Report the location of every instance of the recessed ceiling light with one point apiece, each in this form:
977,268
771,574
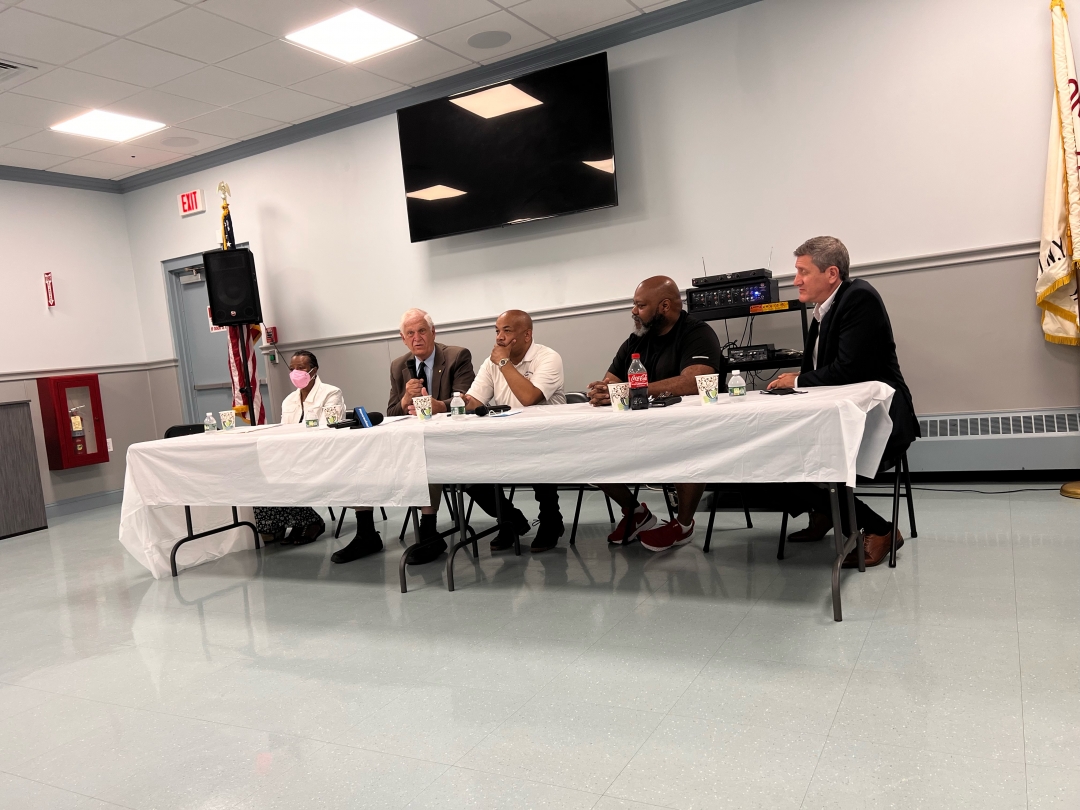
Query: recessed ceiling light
108,126
439,192
352,36
497,101
603,165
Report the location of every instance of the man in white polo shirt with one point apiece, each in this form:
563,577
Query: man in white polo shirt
519,373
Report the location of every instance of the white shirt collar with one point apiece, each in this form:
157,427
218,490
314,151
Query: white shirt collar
820,310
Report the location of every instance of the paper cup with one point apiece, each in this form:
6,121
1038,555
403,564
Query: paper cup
423,407
334,413
312,416
620,396
708,387
228,419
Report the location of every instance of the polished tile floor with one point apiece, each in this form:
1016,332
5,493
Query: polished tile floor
590,678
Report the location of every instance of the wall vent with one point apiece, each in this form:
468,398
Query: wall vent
999,425
9,70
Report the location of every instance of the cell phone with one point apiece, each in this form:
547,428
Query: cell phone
663,402
780,392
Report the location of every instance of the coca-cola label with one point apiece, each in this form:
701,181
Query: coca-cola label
639,379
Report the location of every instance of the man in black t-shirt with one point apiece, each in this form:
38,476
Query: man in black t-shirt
674,348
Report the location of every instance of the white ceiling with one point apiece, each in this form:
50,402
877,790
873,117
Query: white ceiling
217,71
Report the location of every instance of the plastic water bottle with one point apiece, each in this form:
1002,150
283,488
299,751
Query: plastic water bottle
638,378
457,406
736,385
209,424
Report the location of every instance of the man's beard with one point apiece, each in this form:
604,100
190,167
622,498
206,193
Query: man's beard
641,328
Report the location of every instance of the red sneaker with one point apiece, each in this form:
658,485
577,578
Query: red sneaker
632,524
669,535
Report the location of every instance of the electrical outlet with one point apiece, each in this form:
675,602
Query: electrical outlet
108,443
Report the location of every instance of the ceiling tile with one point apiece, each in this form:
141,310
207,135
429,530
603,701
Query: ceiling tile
158,106
117,17
229,123
35,112
201,36
32,36
281,63
522,36
558,17
92,168
286,105
424,17
277,17
511,54
134,156
179,141
59,143
73,87
415,62
28,160
136,63
653,5
349,85
216,86
604,24
13,132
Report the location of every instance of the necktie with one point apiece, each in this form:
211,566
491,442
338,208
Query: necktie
421,374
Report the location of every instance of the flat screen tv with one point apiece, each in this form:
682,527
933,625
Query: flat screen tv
535,147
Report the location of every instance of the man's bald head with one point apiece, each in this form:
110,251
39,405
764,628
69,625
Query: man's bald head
514,326
657,304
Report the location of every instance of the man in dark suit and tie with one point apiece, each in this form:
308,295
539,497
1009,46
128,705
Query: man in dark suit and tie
849,341
427,368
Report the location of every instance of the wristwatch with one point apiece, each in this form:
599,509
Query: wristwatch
504,361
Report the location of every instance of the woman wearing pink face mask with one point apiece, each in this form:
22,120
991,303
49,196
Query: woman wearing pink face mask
310,393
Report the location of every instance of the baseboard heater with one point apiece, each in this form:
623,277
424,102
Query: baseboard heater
1043,439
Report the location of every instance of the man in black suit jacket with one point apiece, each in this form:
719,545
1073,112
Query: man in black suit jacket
849,341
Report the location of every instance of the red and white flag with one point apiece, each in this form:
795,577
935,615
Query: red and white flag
242,340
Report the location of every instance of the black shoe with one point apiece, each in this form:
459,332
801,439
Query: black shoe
427,552
505,538
363,544
311,533
547,535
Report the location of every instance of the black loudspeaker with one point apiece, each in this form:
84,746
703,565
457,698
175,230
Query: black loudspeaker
232,287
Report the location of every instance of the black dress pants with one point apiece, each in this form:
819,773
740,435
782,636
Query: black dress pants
547,496
798,498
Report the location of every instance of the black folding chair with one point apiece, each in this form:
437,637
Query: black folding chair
901,468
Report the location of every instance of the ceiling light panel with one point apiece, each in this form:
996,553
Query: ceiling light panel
496,101
352,36
108,126
603,165
439,192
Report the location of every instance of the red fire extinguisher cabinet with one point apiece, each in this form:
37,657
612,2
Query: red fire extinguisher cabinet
73,422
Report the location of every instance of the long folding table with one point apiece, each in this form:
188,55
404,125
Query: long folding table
825,436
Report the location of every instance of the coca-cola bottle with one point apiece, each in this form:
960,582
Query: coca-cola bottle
638,378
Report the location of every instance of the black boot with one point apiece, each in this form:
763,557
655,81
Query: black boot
431,546
515,523
367,540
548,533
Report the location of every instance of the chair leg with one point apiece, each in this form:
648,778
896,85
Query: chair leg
577,514
667,502
708,531
895,513
405,525
910,503
383,510
341,519
746,511
330,509
783,538
610,512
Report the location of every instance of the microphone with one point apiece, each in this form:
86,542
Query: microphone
365,419
484,410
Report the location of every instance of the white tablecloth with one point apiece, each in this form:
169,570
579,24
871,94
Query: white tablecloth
281,465
824,435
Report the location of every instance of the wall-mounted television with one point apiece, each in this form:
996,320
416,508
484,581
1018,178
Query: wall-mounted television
534,147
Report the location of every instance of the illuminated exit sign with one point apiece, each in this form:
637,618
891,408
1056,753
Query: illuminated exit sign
191,202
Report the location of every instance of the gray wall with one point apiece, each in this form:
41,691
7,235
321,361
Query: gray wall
138,403
967,335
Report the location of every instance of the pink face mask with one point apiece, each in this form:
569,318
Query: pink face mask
300,378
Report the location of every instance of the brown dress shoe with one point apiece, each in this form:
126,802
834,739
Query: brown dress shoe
820,525
876,548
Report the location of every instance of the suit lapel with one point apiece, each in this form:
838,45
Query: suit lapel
825,356
438,372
